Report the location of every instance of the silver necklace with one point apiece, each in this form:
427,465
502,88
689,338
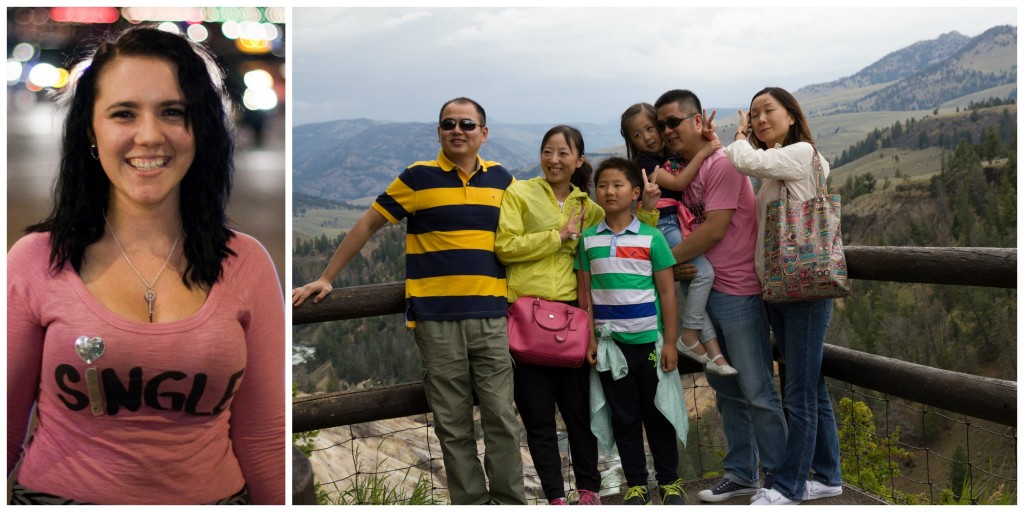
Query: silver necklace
150,295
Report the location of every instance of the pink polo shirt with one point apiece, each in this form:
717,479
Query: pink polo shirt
718,186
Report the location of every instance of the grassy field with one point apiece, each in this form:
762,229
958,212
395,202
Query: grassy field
884,163
317,221
315,216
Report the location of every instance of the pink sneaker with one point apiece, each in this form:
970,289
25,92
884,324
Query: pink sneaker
558,501
589,498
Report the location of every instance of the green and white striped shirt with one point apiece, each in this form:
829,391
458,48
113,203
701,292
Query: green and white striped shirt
622,267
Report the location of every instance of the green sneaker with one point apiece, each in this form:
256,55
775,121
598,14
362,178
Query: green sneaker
637,495
673,493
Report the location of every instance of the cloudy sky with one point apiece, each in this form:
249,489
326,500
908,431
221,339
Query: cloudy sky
566,64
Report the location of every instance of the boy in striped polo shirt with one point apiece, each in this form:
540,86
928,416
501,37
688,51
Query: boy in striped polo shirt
629,267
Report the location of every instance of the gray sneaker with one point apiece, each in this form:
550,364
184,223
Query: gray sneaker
724,490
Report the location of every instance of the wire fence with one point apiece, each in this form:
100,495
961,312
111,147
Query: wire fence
912,454
900,452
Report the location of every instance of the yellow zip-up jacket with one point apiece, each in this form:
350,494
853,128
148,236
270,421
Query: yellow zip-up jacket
537,263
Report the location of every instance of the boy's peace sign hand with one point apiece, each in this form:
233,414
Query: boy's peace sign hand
651,192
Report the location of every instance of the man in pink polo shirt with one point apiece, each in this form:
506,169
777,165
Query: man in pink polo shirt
725,230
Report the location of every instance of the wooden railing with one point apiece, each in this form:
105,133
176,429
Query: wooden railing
979,397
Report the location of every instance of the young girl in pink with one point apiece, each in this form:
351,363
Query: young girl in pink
645,147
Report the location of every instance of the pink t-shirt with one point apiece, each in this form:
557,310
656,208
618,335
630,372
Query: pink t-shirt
718,186
193,409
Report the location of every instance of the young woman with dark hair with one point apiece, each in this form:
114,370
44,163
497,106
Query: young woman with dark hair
147,335
778,147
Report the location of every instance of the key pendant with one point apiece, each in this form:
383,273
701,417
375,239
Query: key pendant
150,297
92,382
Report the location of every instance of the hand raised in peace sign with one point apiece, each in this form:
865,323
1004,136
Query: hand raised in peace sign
743,128
651,193
573,227
708,130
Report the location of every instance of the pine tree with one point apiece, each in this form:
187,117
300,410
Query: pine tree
991,146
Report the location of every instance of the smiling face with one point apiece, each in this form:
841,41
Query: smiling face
559,160
770,120
615,193
459,144
643,134
139,128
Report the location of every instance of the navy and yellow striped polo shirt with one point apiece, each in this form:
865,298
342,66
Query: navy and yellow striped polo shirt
451,270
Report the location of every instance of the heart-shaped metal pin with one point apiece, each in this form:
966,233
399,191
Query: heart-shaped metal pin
89,349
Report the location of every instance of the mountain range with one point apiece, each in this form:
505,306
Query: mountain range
351,159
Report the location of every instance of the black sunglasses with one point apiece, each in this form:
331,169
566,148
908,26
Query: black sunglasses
467,125
673,122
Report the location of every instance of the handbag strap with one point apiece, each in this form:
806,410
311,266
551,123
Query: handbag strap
819,177
584,287
819,173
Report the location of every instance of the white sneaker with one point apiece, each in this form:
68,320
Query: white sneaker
770,497
816,489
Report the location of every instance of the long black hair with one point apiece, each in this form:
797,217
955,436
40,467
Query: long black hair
581,176
82,189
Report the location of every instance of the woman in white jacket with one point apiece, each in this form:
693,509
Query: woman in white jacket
778,146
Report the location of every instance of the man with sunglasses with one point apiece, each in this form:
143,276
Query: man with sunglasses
455,301
725,230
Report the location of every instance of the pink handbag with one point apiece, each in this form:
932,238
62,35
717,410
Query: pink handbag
547,333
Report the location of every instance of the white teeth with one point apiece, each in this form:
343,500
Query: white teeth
147,164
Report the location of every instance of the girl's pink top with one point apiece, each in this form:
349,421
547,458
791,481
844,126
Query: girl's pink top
192,410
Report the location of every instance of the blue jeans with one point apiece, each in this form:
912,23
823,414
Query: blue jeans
813,441
696,291
750,408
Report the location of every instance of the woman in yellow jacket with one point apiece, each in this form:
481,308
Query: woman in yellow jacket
540,221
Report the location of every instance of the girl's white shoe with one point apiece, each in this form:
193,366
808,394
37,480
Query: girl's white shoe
724,370
688,352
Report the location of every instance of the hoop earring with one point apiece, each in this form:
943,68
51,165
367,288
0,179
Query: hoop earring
93,152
